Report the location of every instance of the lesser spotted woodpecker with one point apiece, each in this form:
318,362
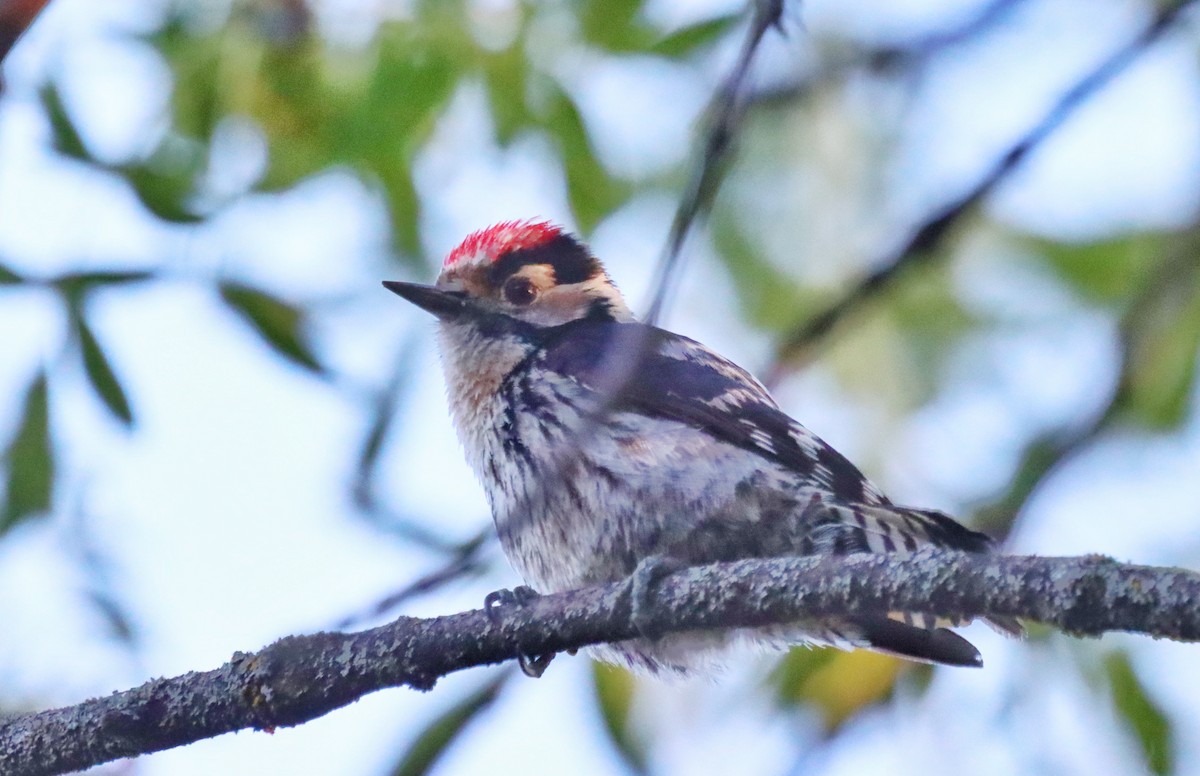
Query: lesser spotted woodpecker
603,442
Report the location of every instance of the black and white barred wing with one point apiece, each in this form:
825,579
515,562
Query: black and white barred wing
659,374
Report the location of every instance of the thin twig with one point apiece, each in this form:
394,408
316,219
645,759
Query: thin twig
624,363
385,405
465,562
725,118
725,114
923,245
1046,454
902,56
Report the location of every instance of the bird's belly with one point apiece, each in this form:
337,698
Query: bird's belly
584,506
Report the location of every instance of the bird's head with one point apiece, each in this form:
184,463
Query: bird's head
529,272
500,292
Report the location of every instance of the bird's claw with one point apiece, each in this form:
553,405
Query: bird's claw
532,666
642,585
519,596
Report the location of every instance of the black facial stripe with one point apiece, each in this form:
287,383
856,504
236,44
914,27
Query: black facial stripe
570,261
600,310
497,325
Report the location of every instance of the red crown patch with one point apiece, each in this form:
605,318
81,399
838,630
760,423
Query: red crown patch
502,238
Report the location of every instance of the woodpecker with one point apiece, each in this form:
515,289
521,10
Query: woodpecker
603,443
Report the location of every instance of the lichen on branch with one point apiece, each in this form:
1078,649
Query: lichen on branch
299,678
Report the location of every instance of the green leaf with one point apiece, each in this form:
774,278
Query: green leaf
67,140
369,108
163,195
432,742
768,297
75,284
930,320
9,278
614,695
506,78
1141,714
197,63
404,211
795,669
166,182
1164,345
276,321
413,78
592,191
30,460
412,81
285,91
686,40
1102,271
100,373
615,25
926,305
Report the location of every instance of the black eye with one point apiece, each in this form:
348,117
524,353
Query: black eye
519,291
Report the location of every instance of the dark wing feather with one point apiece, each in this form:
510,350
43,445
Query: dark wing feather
660,374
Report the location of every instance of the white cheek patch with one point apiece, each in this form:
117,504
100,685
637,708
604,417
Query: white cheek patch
567,303
540,275
564,304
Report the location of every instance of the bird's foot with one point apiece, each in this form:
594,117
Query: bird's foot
642,585
519,596
532,666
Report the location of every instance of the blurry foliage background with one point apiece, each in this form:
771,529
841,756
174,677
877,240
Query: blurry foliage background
179,176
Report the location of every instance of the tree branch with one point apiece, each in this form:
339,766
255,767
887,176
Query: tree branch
923,244
725,114
299,678
900,57
1050,450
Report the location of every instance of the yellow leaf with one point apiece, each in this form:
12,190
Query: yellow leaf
849,682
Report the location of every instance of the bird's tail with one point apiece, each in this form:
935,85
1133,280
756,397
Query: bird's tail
891,529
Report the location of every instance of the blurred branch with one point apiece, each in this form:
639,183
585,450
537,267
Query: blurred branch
987,16
300,678
725,117
887,58
925,242
98,579
385,405
1051,450
464,562
15,18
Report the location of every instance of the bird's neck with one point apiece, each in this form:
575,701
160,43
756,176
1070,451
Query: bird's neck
475,368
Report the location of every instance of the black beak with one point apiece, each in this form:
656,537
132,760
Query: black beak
443,304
